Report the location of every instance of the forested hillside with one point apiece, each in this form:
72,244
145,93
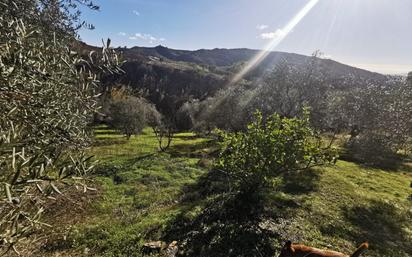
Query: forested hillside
230,57
202,72
170,78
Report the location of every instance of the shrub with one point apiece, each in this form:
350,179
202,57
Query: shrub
269,148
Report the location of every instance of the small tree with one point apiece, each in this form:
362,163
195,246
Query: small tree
269,148
164,135
128,115
162,128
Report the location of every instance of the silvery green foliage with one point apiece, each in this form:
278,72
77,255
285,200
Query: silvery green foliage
384,116
126,112
378,118
130,114
47,99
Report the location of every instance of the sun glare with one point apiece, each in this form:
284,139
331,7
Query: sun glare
279,36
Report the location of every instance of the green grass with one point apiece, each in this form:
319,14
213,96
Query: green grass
145,195
351,204
140,187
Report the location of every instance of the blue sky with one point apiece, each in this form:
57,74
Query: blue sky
371,34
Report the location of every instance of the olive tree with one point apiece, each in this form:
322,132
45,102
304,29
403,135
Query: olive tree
162,127
127,115
289,88
47,100
164,133
378,119
227,109
127,112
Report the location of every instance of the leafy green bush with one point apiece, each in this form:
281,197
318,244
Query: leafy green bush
271,147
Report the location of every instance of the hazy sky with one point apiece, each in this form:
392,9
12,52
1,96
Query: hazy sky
371,34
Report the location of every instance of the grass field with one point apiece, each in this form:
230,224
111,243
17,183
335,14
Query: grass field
144,195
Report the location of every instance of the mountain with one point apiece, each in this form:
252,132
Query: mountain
218,65
228,57
169,77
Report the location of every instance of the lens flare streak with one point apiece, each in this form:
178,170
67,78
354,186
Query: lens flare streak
280,35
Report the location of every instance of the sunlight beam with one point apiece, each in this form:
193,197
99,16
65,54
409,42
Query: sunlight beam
280,35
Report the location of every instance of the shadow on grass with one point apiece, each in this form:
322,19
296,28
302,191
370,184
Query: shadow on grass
194,150
111,170
387,162
302,182
210,184
187,137
230,224
133,161
107,131
380,223
216,182
225,227
108,141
